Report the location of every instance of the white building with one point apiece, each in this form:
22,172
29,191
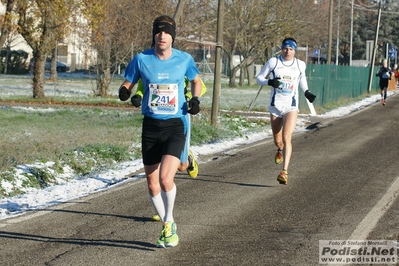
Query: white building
74,50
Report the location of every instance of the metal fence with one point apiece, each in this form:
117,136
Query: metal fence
334,82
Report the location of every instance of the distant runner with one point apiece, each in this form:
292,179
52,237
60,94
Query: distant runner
385,75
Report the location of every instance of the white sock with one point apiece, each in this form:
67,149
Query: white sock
158,204
169,201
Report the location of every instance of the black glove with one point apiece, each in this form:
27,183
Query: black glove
124,93
136,100
275,83
193,104
310,96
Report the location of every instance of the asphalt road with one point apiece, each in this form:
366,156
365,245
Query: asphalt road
235,212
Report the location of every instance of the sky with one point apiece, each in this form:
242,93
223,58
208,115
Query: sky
74,188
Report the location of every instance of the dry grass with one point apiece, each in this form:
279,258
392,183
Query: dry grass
51,134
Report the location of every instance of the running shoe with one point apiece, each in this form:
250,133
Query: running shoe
383,102
279,157
171,238
283,177
156,218
192,169
161,241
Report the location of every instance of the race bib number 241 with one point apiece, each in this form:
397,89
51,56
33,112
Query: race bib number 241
163,99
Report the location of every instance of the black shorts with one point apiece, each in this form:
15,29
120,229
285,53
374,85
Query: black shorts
161,137
383,83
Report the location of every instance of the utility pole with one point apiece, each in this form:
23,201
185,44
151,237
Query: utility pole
337,48
351,43
218,61
375,47
330,26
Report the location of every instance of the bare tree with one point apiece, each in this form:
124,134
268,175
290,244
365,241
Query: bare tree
245,35
251,28
41,22
256,29
118,31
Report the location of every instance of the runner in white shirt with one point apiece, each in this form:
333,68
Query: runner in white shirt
284,73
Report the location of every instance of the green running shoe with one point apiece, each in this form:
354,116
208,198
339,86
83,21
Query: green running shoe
171,239
161,241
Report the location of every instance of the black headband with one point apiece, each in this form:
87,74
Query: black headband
163,26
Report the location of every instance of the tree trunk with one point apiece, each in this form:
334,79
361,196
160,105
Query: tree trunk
53,68
251,75
38,77
233,71
232,82
243,71
7,60
103,81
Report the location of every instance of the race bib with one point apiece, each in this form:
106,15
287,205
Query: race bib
163,98
287,84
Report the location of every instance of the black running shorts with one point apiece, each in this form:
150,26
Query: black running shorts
161,137
383,83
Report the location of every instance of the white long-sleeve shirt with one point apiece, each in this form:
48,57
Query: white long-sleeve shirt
291,74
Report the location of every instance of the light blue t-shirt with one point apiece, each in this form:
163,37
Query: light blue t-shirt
163,82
